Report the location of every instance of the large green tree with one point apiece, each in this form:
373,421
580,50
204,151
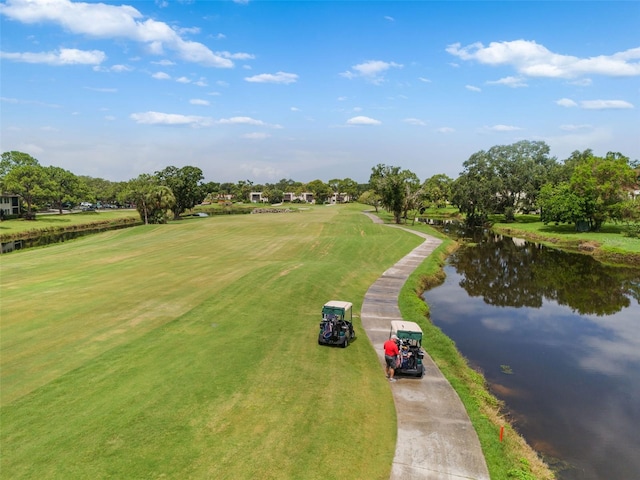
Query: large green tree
396,187
321,191
504,179
242,190
12,159
186,185
64,187
436,190
100,190
151,199
370,198
596,192
350,187
31,183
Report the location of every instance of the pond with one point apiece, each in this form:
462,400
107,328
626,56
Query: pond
557,336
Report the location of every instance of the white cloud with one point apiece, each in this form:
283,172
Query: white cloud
503,128
241,121
280,77
361,120
164,63
390,19
158,118
582,82
605,104
183,80
246,121
596,104
256,136
120,68
99,20
198,101
575,128
372,71
113,68
161,76
237,56
193,30
512,82
566,102
414,121
294,109
472,88
534,60
63,56
102,90
424,80
445,130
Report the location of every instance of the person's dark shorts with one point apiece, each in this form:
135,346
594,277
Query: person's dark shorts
391,361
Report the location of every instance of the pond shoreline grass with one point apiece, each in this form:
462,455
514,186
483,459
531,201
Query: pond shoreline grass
610,245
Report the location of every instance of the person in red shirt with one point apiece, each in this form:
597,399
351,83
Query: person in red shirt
391,354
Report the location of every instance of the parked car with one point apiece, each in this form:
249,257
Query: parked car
410,345
336,327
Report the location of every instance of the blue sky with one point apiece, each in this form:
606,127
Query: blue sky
263,90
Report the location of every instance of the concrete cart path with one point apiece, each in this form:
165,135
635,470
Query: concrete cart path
436,440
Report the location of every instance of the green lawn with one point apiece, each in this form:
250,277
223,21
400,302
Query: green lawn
189,350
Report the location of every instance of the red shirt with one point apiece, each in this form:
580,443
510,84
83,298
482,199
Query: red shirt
391,348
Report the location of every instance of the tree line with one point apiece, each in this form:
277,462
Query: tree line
168,192
584,189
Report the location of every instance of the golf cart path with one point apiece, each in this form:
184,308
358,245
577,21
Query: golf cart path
436,440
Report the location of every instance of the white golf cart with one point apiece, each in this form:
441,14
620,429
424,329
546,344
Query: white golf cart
336,327
410,345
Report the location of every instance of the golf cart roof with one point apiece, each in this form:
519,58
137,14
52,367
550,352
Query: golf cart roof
338,304
400,326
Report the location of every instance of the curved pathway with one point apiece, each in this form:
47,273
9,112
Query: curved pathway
436,440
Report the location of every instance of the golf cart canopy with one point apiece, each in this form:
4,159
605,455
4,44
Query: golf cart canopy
338,308
409,330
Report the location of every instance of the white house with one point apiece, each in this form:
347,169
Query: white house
10,204
303,197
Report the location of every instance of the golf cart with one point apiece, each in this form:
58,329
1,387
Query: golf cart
410,345
336,327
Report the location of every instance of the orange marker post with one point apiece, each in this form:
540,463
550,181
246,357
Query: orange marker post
501,433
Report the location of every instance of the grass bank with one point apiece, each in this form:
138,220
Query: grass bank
609,245
189,350
54,220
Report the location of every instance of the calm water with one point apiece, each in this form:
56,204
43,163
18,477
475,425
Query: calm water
557,336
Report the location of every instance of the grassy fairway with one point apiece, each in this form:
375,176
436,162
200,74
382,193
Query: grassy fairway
190,350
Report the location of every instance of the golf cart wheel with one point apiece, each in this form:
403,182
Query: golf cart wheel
420,371
346,342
